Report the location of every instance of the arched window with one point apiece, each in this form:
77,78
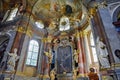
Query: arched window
92,43
12,14
32,53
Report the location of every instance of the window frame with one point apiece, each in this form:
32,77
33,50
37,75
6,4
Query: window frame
32,51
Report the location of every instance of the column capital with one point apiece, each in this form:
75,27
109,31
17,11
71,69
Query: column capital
92,11
44,40
49,39
80,75
85,33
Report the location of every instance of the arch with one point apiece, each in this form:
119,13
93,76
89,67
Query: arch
115,13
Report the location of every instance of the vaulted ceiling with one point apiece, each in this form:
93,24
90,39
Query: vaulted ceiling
50,12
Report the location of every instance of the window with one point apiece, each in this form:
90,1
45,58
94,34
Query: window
93,48
64,24
12,14
32,53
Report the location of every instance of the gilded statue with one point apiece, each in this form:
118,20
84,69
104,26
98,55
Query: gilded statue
92,75
75,74
49,55
52,74
76,56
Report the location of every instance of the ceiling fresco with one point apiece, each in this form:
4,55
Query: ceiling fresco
55,16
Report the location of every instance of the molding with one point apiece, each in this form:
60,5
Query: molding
81,75
46,76
39,75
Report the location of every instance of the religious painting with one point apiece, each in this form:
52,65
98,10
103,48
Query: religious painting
64,59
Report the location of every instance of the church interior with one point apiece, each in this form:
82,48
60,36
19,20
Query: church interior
59,39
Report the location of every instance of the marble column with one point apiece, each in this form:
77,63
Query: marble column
45,63
86,53
47,49
87,50
22,56
80,58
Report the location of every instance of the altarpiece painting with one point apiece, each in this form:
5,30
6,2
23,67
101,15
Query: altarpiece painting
64,59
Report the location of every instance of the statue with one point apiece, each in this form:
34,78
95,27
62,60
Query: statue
76,56
92,75
102,54
52,74
49,55
11,61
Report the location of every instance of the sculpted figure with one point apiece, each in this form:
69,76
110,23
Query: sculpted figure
49,55
76,56
102,54
12,60
75,74
92,75
52,75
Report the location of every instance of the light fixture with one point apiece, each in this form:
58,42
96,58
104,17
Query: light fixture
39,25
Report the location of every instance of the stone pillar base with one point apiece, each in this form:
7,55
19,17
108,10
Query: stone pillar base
7,79
117,71
8,76
82,78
